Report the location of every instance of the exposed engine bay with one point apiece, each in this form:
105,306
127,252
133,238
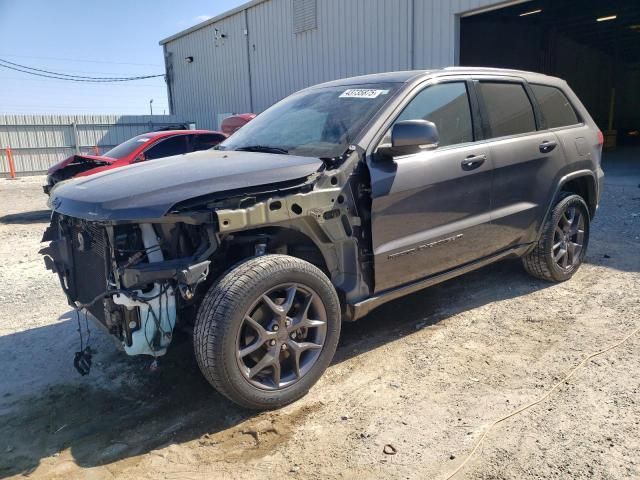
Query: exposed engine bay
119,274
142,279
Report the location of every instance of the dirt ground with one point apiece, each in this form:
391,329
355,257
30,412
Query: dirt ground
426,374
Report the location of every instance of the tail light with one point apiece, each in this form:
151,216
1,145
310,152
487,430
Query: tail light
600,138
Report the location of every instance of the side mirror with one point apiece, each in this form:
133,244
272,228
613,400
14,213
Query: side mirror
140,158
411,136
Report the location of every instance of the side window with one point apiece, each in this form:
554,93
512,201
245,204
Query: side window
555,106
207,141
446,105
507,108
166,148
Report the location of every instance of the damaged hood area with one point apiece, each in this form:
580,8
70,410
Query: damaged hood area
149,189
91,161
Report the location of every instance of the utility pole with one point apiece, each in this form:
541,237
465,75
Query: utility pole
151,106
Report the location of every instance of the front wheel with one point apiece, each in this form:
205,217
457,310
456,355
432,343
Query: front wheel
267,330
563,244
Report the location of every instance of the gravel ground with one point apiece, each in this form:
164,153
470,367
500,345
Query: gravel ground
425,374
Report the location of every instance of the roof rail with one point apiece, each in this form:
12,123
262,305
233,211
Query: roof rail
488,69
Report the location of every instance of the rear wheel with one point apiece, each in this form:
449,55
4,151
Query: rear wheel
563,244
267,331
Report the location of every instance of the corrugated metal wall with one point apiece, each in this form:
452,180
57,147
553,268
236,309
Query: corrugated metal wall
353,37
39,141
251,71
217,81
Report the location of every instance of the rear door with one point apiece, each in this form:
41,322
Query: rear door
560,116
168,147
526,160
430,210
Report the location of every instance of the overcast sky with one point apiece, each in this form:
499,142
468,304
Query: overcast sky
93,38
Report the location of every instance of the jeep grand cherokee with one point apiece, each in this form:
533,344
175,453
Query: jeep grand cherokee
335,200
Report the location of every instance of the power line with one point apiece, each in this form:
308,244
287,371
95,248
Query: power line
113,84
75,76
72,78
112,72
81,60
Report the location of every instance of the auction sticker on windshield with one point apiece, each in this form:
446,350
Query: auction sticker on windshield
363,93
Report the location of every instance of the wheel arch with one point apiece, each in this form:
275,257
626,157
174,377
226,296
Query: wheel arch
583,184
580,182
302,238
295,242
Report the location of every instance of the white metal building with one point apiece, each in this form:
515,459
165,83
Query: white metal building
252,56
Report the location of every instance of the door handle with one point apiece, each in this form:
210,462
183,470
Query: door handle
547,146
473,162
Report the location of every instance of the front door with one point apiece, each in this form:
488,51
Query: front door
431,210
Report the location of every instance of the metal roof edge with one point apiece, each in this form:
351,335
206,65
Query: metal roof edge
217,18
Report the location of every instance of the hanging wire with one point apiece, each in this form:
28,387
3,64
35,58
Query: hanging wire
65,76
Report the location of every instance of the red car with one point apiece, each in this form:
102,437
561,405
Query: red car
147,146
230,124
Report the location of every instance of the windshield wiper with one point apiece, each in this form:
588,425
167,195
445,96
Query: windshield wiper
262,148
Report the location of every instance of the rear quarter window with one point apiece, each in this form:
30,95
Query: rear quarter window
507,108
555,106
205,141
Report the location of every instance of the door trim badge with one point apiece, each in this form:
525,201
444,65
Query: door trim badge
426,246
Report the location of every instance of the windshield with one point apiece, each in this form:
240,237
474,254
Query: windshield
321,122
127,148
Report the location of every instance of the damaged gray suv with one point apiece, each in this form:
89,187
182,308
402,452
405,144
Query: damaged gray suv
335,200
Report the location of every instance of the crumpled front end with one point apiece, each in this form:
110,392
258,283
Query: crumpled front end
132,278
71,167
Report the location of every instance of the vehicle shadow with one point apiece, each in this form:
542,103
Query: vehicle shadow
26,218
122,409
402,317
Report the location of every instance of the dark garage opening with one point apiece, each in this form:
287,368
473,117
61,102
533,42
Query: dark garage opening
593,45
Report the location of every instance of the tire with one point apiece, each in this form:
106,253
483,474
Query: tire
241,330
547,261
